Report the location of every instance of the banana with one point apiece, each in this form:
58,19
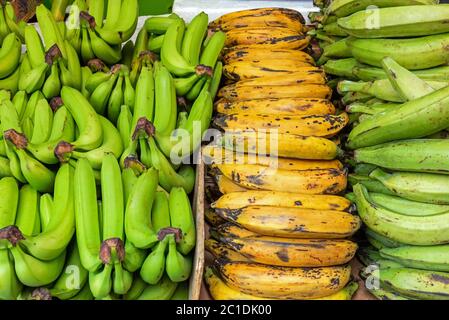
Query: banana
317,126
251,54
87,225
416,284
407,207
138,227
43,120
73,278
181,217
122,279
5,170
86,47
382,294
283,144
34,79
293,222
129,94
9,202
412,113
86,119
221,251
293,252
124,125
46,210
338,49
4,29
370,109
160,216
243,70
100,282
177,266
27,217
34,272
226,185
128,19
229,229
324,181
104,51
239,200
367,73
343,8
285,80
52,85
370,184
11,83
281,13
381,89
290,283
164,290
218,155
409,53
59,230
397,22
247,36
96,79
159,25
239,93
86,73
102,94
216,79
49,29
193,38
136,289
10,287
171,56
341,67
154,265
134,257
10,52
35,49
71,75
140,46
165,110
14,163
424,187
144,96
112,16
84,294
416,230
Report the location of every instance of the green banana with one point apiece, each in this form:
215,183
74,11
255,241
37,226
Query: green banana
20,101
370,109
129,94
136,289
417,284
166,109
381,89
138,226
193,38
55,237
335,29
413,119
178,267
134,257
84,294
383,240
96,79
100,282
181,217
10,287
104,51
140,45
28,211
159,25
34,272
34,79
5,170
10,52
11,83
427,230
91,135
86,47
115,101
87,225
73,278
49,29
100,96
86,73
46,210
164,290
9,201
155,43
368,73
412,53
31,105
112,16
124,125
215,82
52,86
338,49
33,42
122,279
424,187
14,163
43,120
127,53
154,265
398,22
384,294
160,213
71,74
144,101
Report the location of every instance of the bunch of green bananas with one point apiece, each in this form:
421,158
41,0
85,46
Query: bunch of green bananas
9,22
395,86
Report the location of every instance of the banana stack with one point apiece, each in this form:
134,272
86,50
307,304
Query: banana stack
279,230
393,76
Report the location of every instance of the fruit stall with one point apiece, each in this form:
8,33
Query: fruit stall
234,150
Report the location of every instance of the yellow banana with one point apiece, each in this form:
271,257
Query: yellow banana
285,106
277,54
286,252
311,125
229,229
283,282
239,200
221,251
282,144
226,185
241,70
282,80
264,21
276,36
219,155
235,92
294,222
212,218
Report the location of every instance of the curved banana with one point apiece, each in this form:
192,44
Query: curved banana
10,287
181,217
164,290
193,38
154,265
35,49
177,266
10,52
226,185
100,96
27,218
52,85
43,121
277,54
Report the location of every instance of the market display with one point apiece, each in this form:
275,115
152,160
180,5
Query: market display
93,206
394,81
269,243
